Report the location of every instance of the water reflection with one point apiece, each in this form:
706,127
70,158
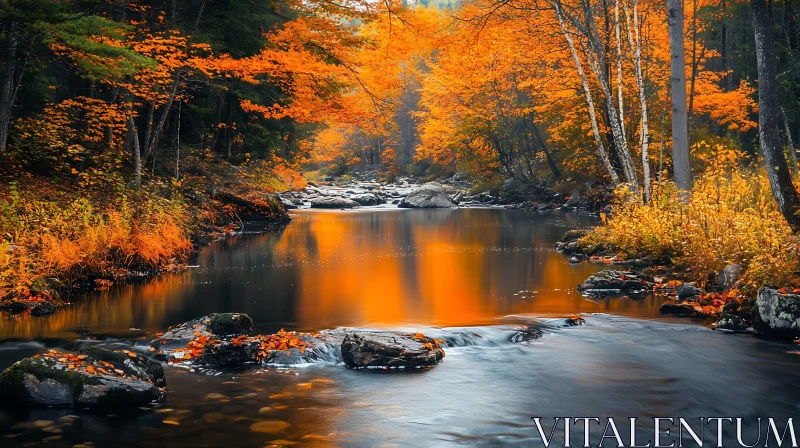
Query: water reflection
358,268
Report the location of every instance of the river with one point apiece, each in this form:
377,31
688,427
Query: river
468,276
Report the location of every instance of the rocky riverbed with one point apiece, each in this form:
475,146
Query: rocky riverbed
407,192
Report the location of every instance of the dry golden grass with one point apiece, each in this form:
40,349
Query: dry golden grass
54,239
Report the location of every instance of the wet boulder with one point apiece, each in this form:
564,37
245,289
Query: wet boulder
333,202
687,290
368,199
387,350
288,204
731,322
778,313
95,378
526,335
576,320
213,326
427,196
611,282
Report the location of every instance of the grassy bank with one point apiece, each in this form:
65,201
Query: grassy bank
730,217
58,234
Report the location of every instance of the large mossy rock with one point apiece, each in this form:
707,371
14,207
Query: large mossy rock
427,196
610,282
94,378
778,314
333,202
387,350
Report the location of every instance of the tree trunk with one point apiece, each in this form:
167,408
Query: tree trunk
176,80
133,143
619,67
178,146
7,90
789,141
597,61
780,179
680,129
592,115
644,139
543,143
148,130
694,65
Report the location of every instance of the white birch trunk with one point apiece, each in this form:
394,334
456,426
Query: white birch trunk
592,115
645,132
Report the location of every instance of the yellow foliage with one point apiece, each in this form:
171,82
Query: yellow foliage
731,217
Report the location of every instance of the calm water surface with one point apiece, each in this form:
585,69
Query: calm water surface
468,276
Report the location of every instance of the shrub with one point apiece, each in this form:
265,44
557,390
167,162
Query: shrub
731,217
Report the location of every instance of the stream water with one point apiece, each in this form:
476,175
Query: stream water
465,275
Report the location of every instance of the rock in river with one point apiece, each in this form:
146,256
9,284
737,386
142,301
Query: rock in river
217,326
94,378
778,314
610,282
731,322
222,340
368,199
526,335
381,350
427,196
333,202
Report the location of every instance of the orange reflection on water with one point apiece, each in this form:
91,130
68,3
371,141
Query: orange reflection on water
432,267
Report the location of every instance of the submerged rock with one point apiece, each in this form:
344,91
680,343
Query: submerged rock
778,314
611,282
95,378
427,196
360,350
333,202
680,309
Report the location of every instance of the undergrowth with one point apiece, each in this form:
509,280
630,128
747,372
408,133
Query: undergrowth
730,217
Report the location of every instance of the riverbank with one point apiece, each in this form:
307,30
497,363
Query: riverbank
725,252
62,239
